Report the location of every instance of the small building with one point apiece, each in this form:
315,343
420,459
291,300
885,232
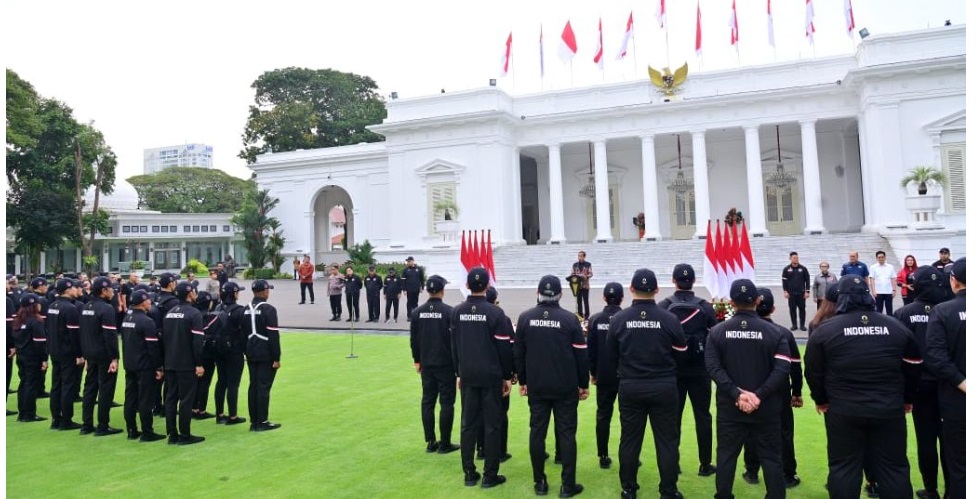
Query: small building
193,155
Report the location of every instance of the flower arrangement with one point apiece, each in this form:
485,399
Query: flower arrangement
734,217
722,310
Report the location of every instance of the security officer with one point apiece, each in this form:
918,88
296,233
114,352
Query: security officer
183,351
373,285
642,341
392,295
66,355
602,374
748,359
39,286
792,398
231,364
413,278
164,302
260,325
214,343
929,292
431,349
493,298
863,368
32,356
483,362
351,288
143,362
551,361
795,288
11,348
100,347
946,357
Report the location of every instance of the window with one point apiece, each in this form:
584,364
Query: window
173,228
438,192
186,228
197,228
214,228
203,228
143,228
125,228
227,228
953,163
165,228
156,228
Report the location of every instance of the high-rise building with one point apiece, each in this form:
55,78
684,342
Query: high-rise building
161,158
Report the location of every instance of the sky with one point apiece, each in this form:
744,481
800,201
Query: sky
168,73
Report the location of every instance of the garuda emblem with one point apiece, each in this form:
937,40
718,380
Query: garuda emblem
667,82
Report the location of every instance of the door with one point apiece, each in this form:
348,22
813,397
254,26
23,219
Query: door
683,214
782,209
613,209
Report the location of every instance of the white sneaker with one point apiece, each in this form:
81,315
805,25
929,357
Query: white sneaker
387,321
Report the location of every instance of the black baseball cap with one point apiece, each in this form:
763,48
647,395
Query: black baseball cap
854,285
944,250
928,276
644,281
683,272
100,283
138,296
231,287
166,278
261,285
613,290
183,289
833,292
744,291
767,304
28,299
435,284
410,259
549,285
63,285
958,270
478,279
492,295
390,270
204,299
370,268
38,282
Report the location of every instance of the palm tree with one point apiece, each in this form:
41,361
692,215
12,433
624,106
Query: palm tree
921,175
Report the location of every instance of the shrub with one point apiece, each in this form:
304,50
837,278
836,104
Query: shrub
195,266
321,267
362,253
251,273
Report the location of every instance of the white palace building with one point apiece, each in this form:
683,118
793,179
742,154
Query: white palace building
806,149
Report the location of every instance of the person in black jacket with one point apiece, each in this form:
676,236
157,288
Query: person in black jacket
11,349
696,316
863,368
795,288
642,342
183,352
946,357
431,349
413,279
40,287
493,298
32,356
373,285
260,325
214,345
392,294
602,374
551,361
483,361
143,363
230,364
351,288
164,302
748,359
792,398
66,355
100,347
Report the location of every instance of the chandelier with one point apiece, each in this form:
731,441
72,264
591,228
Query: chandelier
588,190
780,179
679,184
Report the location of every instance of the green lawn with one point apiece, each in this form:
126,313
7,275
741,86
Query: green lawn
351,428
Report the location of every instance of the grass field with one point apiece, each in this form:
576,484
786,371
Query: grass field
351,428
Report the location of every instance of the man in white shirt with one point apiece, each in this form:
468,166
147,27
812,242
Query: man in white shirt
883,281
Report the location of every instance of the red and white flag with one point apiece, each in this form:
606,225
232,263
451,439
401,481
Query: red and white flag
810,23
661,14
771,26
507,56
732,269
490,266
747,258
600,49
710,265
471,253
733,23
736,253
624,48
848,15
699,38
568,46
463,269
723,282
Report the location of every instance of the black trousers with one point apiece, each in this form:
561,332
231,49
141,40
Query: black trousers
29,371
952,406
605,396
565,412
438,383
655,400
374,305
391,302
303,286
928,434
885,302
583,308
698,388
732,434
230,368
139,399
850,438
64,388
336,305
504,428
797,307
260,378
181,392
353,305
412,303
100,384
10,372
204,383
789,464
481,403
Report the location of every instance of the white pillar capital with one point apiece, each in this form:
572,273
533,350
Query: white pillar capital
807,122
603,219
556,194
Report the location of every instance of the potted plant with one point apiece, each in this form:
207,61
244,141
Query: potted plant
923,175
448,209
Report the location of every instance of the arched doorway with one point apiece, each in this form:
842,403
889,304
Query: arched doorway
330,221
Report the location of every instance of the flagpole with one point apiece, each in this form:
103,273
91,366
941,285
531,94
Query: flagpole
635,64
666,26
513,65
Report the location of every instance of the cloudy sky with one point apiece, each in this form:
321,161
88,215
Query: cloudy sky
167,73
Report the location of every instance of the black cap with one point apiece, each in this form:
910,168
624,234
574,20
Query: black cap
549,285
204,299
28,299
390,270
261,285
958,270
183,289
370,268
410,259
166,278
100,283
138,296
142,287
63,285
435,284
231,287
683,272
613,290
478,279
833,292
38,282
928,276
77,283
492,295
767,304
854,285
744,291
944,250
644,281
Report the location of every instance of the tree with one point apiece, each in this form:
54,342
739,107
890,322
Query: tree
96,159
192,190
300,108
255,224
274,244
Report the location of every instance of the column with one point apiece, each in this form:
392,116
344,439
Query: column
17,265
810,175
556,194
756,187
183,255
42,268
105,258
701,185
515,236
78,260
603,234
650,189
309,246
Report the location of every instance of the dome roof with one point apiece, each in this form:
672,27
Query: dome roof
123,198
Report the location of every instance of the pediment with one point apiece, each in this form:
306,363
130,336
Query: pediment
440,167
950,123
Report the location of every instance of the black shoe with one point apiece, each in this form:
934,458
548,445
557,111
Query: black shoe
69,425
792,481
604,462
235,420
11,413
432,447
793,328
151,437
629,493
871,489
159,412
133,435
927,494
479,454
266,426
540,488
750,477
302,303
312,303
108,430
349,320
471,478
571,490
78,400
492,481
221,419
55,424
706,470
357,319
678,495
202,415
334,319
86,430
44,395
115,404
190,440
173,440
31,419
802,328
445,448
505,457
